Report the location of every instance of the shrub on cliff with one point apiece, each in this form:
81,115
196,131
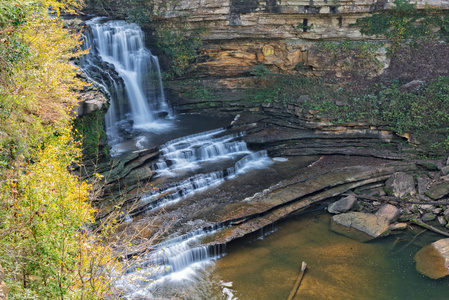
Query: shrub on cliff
404,22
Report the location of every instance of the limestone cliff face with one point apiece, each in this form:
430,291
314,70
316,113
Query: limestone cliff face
277,33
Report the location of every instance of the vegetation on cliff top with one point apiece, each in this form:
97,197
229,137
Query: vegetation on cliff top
404,23
45,215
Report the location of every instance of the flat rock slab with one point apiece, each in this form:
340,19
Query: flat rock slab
279,201
438,191
433,260
359,226
398,226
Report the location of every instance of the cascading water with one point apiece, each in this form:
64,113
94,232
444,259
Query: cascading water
194,152
121,66
121,45
173,260
182,259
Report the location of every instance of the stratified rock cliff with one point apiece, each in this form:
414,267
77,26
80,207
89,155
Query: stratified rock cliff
277,33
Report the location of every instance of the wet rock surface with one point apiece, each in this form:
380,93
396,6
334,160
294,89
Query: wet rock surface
433,260
360,226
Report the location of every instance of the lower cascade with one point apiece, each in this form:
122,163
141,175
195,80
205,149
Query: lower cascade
175,260
182,257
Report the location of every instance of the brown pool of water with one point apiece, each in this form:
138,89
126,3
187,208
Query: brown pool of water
338,267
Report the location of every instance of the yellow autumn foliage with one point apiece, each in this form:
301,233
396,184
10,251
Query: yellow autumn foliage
47,246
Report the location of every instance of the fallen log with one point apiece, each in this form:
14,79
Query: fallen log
298,281
397,200
429,227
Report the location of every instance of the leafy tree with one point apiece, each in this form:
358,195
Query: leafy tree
47,246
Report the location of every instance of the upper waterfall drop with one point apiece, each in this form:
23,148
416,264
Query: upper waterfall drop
121,45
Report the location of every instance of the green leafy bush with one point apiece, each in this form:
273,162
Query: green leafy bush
404,22
181,46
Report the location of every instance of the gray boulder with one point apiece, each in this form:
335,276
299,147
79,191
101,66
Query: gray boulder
446,213
360,226
398,226
438,191
433,260
401,185
341,206
388,211
442,221
445,170
428,217
423,182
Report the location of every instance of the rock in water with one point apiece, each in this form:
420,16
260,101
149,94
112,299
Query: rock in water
433,260
401,185
360,226
428,217
341,206
398,226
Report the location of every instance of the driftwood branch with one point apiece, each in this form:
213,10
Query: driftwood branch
298,281
397,200
429,227
411,242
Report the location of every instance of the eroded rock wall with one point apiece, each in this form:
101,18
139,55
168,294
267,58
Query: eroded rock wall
277,33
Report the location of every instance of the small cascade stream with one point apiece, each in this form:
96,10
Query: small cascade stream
194,154
174,260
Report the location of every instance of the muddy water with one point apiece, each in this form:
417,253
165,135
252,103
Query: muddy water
338,267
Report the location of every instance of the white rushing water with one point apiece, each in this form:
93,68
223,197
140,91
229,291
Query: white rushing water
192,153
180,261
175,261
191,164
121,45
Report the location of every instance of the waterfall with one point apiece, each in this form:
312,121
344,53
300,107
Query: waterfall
190,152
176,259
121,66
120,47
194,152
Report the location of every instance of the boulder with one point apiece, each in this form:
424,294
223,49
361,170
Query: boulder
433,260
362,227
428,217
341,206
388,211
445,170
398,226
401,185
422,185
438,191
